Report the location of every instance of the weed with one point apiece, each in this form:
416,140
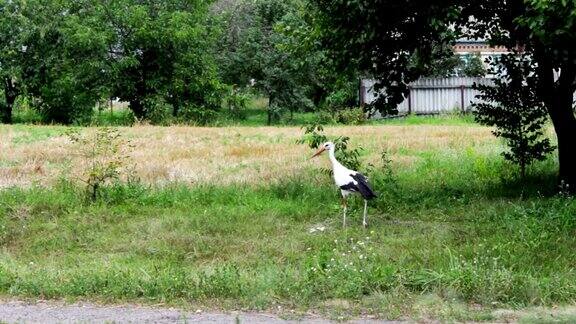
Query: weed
105,157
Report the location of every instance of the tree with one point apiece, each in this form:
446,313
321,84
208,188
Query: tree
257,47
512,106
159,51
473,66
62,65
382,37
11,46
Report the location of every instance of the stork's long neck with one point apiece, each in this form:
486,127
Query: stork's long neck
335,163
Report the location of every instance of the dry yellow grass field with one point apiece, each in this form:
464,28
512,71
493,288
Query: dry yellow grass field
220,155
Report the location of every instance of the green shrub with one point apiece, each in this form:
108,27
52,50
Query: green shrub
236,101
512,106
105,156
324,117
353,116
314,138
158,111
201,115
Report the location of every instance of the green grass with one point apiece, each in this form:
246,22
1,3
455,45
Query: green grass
255,115
442,119
454,237
23,134
259,117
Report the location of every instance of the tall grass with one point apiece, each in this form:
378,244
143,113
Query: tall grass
455,228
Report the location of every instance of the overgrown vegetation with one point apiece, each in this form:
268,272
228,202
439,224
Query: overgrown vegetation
238,224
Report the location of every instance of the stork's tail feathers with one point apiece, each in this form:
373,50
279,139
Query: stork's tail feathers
363,186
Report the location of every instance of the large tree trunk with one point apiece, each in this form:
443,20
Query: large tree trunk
270,101
558,95
137,108
10,94
564,123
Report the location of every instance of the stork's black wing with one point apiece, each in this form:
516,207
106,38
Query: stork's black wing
363,186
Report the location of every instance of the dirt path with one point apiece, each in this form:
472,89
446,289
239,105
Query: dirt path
55,312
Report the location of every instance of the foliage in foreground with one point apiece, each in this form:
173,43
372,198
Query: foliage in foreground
105,154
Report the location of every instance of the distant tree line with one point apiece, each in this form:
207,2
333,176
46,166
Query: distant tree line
167,59
61,57
170,60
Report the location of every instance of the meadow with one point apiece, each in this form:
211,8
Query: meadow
239,217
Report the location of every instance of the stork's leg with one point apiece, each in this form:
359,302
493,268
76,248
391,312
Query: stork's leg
365,213
345,207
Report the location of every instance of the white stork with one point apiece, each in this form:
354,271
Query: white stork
349,181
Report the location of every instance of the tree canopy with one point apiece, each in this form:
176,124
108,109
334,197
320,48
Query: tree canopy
67,55
395,42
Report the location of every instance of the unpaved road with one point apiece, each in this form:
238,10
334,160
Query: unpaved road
54,312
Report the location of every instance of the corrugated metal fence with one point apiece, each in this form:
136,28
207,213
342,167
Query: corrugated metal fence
432,95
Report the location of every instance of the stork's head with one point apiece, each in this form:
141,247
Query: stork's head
328,146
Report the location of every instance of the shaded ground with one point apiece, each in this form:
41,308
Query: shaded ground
51,312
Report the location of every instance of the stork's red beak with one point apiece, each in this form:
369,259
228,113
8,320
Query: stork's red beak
322,149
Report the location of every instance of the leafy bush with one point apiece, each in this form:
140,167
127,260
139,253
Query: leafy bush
236,100
193,114
324,117
343,95
354,116
105,156
158,111
57,106
512,106
350,116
